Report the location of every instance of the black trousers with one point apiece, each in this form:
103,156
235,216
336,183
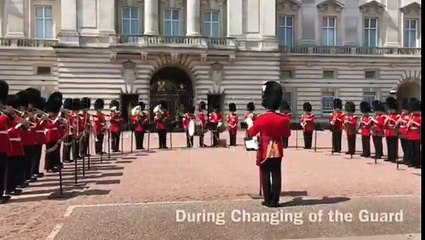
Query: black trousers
232,138
35,169
285,142
99,143
75,149
406,150
392,148
139,139
52,159
308,139
416,152
85,145
12,166
115,144
366,146
3,159
162,138
201,140
67,148
336,140
271,178
351,140
29,159
377,143
189,139
216,138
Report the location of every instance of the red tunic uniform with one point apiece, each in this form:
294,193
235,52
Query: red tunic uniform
378,125
52,132
337,119
161,122
307,121
16,148
273,127
4,134
202,118
415,127
390,122
232,122
28,137
186,119
351,124
115,123
137,124
365,125
216,118
402,121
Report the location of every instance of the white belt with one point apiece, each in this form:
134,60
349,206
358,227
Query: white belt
15,139
39,131
4,132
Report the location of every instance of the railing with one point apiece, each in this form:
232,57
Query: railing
27,43
174,41
346,50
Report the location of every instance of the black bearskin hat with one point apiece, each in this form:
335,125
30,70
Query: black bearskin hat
85,103
191,109
142,105
414,105
53,105
67,104
99,104
391,103
13,101
365,107
114,103
40,103
350,107
405,104
232,107
163,104
377,106
33,95
337,103
202,106
4,91
23,98
76,104
272,95
285,106
57,95
216,108
250,106
307,107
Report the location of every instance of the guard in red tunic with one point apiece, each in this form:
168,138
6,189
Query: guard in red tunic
286,111
232,124
216,121
390,122
350,125
116,121
202,122
414,127
77,128
187,117
67,144
86,126
272,127
162,118
378,128
308,121
40,136
99,125
4,138
336,121
53,135
365,128
249,117
140,121
403,133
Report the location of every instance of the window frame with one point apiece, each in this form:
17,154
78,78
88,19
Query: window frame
333,74
329,108
408,31
285,28
139,23
327,28
44,18
164,20
367,94
369,29
211,22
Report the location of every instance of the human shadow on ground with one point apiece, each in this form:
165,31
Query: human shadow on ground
67,194
299,201
283,194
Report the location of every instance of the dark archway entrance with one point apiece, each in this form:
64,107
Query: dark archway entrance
409,89
173,85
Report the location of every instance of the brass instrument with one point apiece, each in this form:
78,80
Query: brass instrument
159,112
348,127
412,125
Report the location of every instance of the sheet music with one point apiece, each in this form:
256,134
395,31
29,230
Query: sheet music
251,144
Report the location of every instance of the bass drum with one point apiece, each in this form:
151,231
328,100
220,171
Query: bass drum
220,127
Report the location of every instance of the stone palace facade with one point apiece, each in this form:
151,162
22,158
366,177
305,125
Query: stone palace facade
186,51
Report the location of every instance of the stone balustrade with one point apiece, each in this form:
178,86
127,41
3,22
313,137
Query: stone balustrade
347,50
27,43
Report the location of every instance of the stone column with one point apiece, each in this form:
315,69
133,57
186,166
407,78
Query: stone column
68,31
151,17
14,15
107,17
193,18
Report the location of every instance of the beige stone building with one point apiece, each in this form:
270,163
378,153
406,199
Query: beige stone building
186,51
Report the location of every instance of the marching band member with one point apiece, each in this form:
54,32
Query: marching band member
365,128
350,124
85,125
139,119
115,125
286,111
378,128
250,108
402,126
272,127
202,121
76,124
232,124
187,117
336,121
414,127
4,138
53,135
162,118
99,125
390,132
216,119
40,136
308,124
67,144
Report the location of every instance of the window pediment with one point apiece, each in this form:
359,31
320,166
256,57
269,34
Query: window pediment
330,5
372,5
213,4
291,5
172,3
411,8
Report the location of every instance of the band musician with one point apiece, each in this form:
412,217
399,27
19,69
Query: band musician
162,119
187,117
378,128
67,144
365,128
4,138
350,125
85,125
403,133
139,119
202,122
77,128
308,124
336,121
99,122
249,117
390,123
216,120
414,127
116,122
232,124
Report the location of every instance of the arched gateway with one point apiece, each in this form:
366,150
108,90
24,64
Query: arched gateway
174,86
409,89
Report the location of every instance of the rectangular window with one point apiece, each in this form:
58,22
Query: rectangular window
369,97
212,24
286,30
370,74
130,21
410,33
328,74
286,74
44,22
44,70
328,31
327,101
172,22
370,32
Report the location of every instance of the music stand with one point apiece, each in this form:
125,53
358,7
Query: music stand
109,144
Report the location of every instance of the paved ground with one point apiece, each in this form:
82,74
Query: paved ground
209,175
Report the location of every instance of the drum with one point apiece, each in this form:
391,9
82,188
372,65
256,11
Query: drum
251,144
220,127
191,128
